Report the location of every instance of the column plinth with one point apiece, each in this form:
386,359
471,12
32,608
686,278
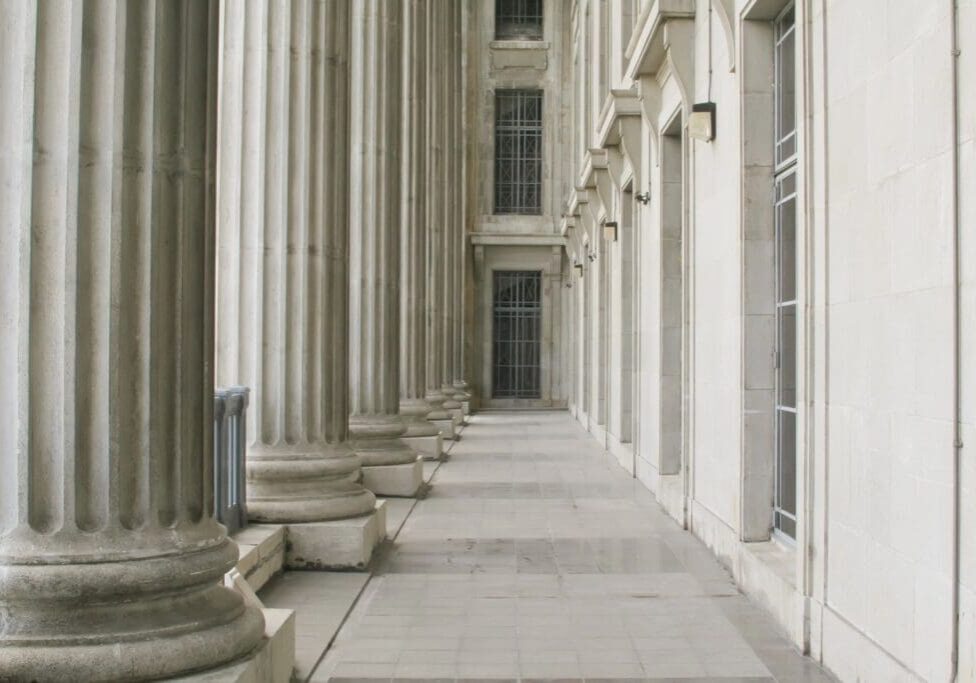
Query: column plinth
111,563
435,399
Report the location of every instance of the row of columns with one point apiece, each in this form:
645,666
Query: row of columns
333,172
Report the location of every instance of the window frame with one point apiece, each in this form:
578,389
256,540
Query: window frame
521,24
519,131
785,171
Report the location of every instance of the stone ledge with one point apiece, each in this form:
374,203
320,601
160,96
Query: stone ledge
261,550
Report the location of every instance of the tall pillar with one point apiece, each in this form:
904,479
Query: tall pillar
448,213
458,385
421,434
390,466
435,176
282,276
111,562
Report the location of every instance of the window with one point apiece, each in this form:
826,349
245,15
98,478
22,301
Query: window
518,19
784,218
518,152
784,63
517,334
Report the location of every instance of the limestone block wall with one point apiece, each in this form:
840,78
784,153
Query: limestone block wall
871,584
516,239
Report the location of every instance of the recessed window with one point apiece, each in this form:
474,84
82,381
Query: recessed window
517,334
784,63
784,217
518,19
518,152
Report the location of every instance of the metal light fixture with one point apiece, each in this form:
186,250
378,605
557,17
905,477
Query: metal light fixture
643,197
701,123
610,231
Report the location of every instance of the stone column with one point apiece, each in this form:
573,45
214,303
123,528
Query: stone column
421,434
448,262
282,278
111,563
390,466
458,385
437,193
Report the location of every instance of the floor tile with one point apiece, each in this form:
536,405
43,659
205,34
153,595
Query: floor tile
535,557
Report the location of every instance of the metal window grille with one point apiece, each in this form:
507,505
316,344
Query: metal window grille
784,501
518,19
785,409
516,334
784,86
518,152
230,442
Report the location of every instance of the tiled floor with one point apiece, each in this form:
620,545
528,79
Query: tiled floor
535,557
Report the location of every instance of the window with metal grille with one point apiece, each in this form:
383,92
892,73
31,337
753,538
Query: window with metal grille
518,19
517,334
784,217
518,152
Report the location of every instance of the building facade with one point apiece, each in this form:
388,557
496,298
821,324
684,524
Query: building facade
734,238
769,241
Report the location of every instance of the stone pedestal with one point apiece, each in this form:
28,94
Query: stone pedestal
397,481
340,544
430,447
283,283
448,428
111,563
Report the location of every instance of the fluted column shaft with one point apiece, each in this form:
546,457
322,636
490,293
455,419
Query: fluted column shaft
110,558
282,276
436,88
451,184
458,208
413,248
374,332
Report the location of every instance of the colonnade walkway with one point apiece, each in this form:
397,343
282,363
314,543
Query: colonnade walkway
536,557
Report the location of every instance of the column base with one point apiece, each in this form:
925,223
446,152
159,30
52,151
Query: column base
404,481
430,447
457,417
447,429
338,544
133,619
272,662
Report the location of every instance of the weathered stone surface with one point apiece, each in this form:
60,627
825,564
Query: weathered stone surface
282,277
110,559
339,544
375,223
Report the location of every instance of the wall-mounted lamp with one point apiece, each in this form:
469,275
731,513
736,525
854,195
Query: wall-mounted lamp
701,123
643,197
610,231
